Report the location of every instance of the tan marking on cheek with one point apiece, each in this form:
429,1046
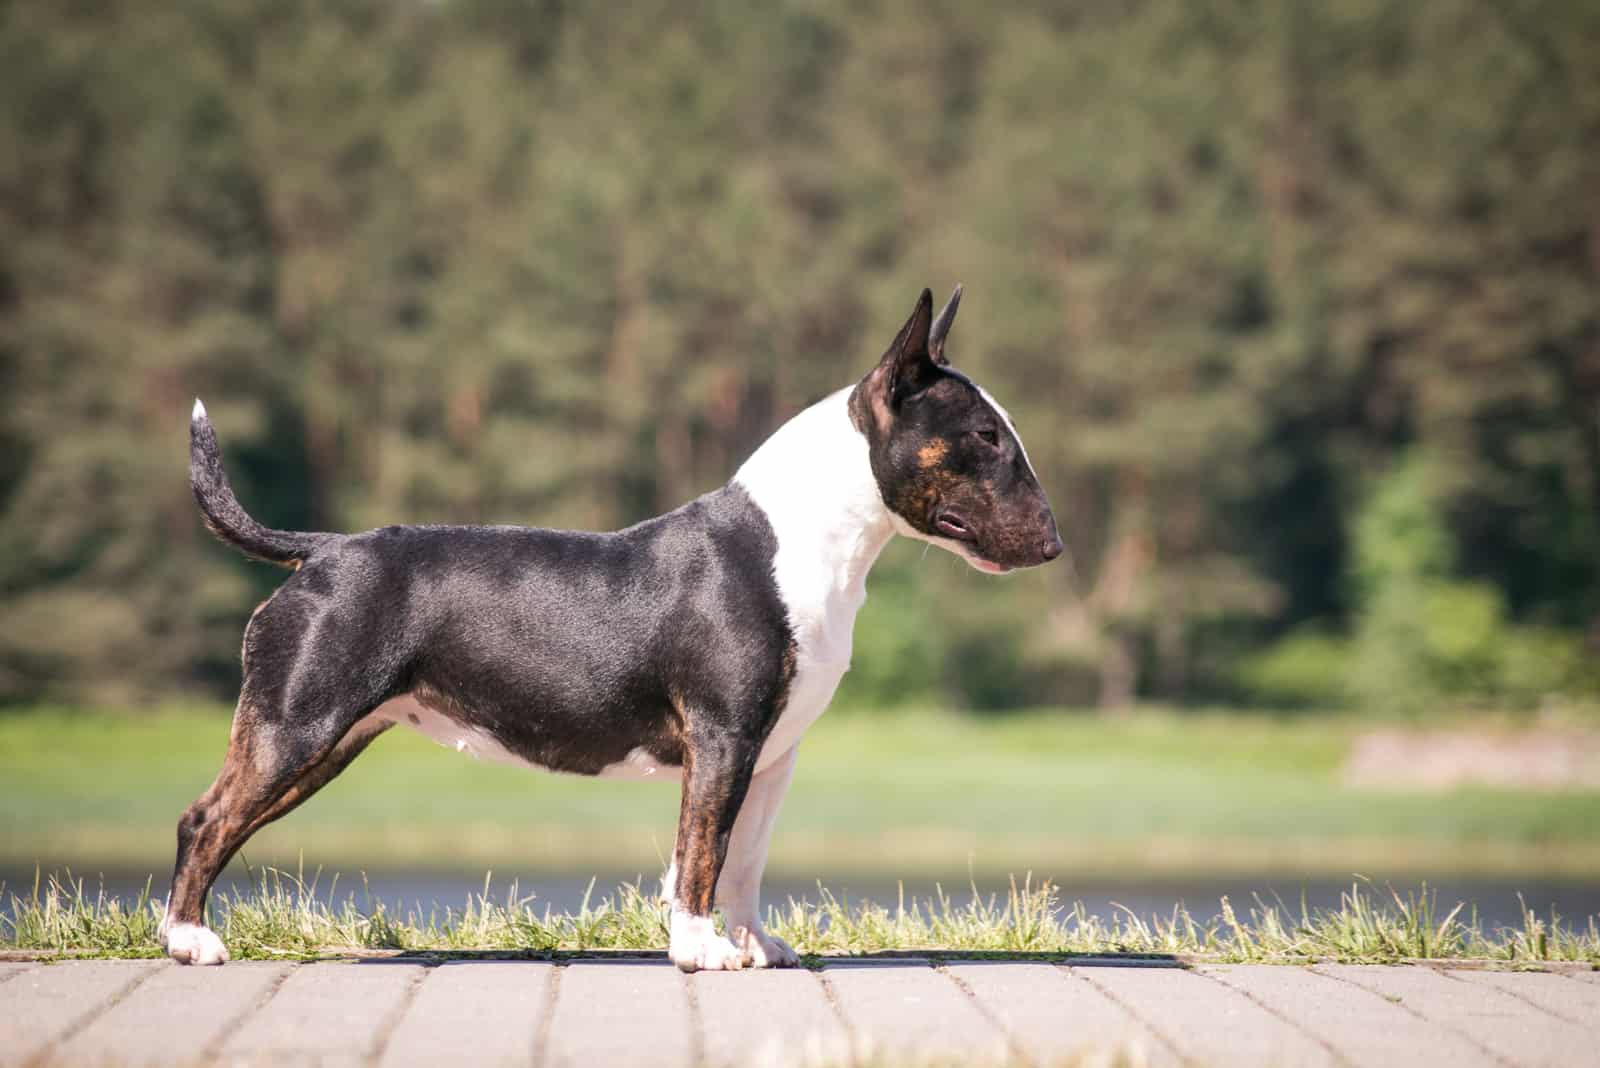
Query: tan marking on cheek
931,454
917,500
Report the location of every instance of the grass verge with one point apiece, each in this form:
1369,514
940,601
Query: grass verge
286,916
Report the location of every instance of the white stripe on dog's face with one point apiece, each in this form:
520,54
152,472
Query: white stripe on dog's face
1010,424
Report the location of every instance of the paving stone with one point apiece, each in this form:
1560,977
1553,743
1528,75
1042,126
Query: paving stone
646,1013
1360,1025
1052,1015
43,1004
767,1018
1577,1003
473,1012
620,1013
1512,1029
10,968
903,1008
1206,1021
328,1014
174,1017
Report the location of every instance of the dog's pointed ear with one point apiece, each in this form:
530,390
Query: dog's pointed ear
906,368
908,359
941,329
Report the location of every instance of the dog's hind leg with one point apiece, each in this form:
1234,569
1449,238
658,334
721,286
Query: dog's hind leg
270,768
323,771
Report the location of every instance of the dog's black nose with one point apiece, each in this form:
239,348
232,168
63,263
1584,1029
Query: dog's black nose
1052,547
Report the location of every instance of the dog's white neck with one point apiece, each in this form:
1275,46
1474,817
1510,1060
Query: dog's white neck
813,479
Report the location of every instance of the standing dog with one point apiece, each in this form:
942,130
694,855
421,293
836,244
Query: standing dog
697,646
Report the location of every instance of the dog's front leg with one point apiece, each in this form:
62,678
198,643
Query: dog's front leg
739,889
717,767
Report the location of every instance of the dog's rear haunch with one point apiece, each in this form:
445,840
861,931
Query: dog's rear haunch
697,646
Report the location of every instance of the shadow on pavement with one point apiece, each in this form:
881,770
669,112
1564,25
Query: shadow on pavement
905,958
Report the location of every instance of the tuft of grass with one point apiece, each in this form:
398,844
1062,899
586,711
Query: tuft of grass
286,915
60,915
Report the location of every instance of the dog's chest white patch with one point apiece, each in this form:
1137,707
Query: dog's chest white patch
813,479
809,695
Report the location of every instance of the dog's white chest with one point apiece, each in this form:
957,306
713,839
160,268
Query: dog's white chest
814,482
818,670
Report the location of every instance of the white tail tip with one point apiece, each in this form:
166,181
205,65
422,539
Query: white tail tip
199,412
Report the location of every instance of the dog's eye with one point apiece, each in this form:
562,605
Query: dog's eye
988,437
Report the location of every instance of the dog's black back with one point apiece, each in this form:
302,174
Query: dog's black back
517,631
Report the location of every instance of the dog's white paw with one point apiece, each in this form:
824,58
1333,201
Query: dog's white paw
189,943
696,946
761,950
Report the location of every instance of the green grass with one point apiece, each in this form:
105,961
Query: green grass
905,794
284,916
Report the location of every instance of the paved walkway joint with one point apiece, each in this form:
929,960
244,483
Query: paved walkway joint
644,1012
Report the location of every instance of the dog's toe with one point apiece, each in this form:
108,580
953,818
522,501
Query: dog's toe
696,946
715,954
761,950
189,943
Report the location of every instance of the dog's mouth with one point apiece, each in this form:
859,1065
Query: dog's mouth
959,530
954,527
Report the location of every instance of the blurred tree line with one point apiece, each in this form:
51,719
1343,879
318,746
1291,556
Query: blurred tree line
1296,304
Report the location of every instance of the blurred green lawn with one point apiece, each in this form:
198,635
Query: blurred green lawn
895,795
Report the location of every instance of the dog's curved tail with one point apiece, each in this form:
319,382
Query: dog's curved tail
222,511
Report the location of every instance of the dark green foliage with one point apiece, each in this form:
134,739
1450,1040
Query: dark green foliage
567,264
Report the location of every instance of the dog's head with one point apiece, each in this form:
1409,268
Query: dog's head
947,457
